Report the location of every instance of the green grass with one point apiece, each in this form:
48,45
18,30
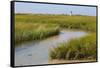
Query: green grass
29,31
39,26
87,23
76,49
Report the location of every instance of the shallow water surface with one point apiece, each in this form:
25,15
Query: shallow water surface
37,52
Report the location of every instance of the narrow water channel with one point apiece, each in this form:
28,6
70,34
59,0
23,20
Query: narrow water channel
35,53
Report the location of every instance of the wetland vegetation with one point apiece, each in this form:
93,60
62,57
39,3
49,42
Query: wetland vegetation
40,26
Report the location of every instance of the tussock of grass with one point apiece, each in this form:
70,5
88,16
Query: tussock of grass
25,32
76,49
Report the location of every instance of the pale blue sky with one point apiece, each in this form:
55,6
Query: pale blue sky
23,7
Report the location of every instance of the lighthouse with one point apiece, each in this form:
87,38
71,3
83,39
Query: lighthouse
70,13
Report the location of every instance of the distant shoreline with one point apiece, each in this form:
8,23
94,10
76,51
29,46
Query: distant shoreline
51,14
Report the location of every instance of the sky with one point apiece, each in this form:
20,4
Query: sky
38,8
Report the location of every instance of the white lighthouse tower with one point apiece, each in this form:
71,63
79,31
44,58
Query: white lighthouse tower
70,13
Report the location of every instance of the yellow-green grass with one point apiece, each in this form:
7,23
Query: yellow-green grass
87,23
76,49
29,31
40,26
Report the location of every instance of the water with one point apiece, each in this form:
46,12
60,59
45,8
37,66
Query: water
36,53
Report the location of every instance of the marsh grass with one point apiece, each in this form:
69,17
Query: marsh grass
87,23
76,49
40,26
28,31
